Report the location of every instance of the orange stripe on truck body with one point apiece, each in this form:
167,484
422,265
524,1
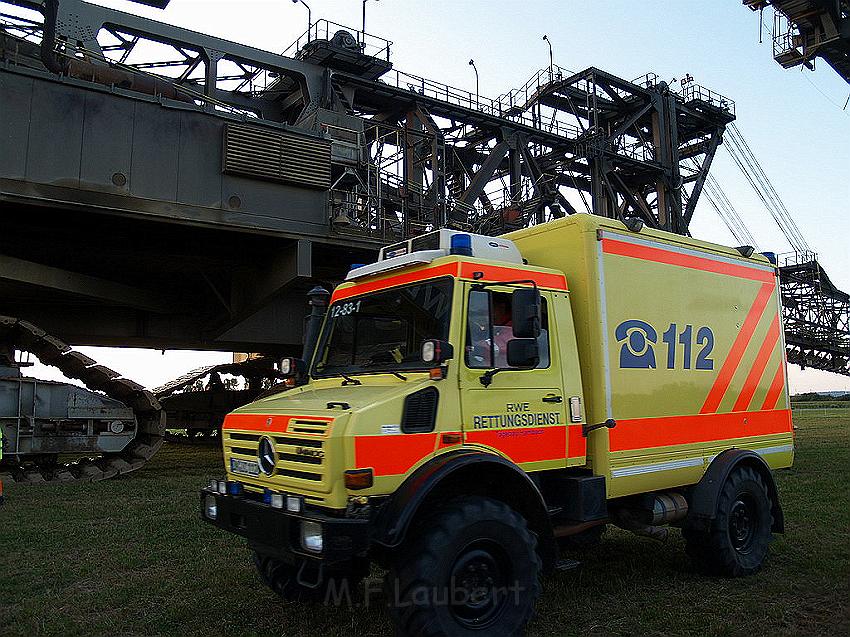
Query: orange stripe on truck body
501,273
757,370
776,387
524,444
736,353
447,269
265,422
576,441
669,257
389,455
462,269
649,433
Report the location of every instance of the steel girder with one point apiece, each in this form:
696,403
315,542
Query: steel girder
816,317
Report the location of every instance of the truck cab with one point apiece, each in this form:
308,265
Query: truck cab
441,427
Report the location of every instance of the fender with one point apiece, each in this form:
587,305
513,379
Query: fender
706,493
496,476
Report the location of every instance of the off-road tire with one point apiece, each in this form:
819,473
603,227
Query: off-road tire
282,578
487,550
736,543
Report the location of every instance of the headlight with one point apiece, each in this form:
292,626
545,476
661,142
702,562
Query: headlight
294,503
210,507
311,536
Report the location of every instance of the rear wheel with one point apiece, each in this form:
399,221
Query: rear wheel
736,544
472,568
282,577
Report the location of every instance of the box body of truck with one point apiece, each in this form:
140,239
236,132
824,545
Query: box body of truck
680,342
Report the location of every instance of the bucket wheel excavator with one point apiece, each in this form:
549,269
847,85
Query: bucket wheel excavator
60,432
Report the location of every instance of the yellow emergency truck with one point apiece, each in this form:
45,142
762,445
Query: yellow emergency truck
473,403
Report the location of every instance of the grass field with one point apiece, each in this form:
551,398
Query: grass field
130,557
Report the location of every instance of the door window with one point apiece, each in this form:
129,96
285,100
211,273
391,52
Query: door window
490,328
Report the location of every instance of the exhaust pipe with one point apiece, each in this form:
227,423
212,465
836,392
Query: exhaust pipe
664,508
668,508
318,299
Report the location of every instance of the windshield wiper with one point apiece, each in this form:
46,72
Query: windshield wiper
398,375
349,381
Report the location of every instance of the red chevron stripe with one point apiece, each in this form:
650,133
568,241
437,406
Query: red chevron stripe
776,387
757,370
733,359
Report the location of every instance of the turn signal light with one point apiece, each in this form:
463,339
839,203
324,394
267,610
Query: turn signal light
451,439
359,479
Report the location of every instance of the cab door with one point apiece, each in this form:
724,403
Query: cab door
521,414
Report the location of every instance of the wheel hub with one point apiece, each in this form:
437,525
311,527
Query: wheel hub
742,524
479,580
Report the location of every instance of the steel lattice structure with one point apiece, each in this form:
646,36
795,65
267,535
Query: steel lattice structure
251,173
807,29
816,316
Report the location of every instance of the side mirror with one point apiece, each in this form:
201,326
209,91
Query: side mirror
523,353
525,313
436,352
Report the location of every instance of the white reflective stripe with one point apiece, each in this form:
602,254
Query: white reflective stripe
603,312
688,462
688,251
765,451
661,466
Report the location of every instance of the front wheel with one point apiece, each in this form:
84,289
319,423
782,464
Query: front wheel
282,577
471,569
736,543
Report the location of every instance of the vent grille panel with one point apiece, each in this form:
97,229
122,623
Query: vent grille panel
420,411
278,156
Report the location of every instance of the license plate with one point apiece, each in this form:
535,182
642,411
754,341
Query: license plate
245,467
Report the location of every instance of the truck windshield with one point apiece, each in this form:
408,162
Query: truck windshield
383,331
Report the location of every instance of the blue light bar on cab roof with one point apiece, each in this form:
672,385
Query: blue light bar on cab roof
461,244
440,243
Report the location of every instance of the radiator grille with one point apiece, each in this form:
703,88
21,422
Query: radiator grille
299,458
279,156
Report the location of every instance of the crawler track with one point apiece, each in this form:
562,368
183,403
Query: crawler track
148,413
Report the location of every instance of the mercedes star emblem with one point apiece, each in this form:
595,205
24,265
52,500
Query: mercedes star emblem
266,456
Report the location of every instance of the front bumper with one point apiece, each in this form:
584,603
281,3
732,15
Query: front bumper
278,532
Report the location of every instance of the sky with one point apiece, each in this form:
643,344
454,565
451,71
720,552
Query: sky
792,119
